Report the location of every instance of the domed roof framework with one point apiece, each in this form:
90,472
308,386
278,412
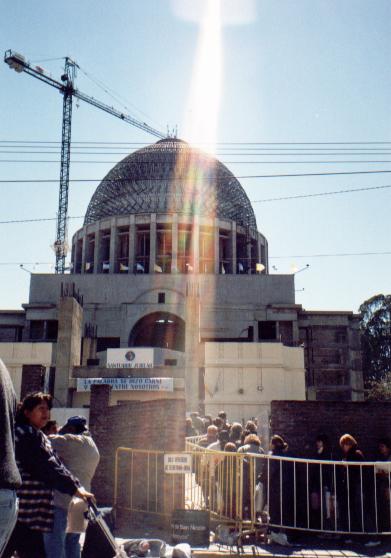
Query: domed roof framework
171,177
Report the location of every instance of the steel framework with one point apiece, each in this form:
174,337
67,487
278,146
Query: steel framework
171,177
19,63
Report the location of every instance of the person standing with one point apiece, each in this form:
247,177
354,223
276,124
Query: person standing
252,476
77,450
42,472
10,478
383,485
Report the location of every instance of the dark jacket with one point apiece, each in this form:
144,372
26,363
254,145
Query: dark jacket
42,471
9,474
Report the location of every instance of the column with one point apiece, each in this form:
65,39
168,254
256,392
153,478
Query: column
216,235
196,244
113,245
70,331
266,256
74,249
192,347
96,249
132,243
233,247
174,244
152,244
83,251
248,240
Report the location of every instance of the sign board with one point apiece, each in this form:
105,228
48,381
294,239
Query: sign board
177,463
128,384
130,358
190,526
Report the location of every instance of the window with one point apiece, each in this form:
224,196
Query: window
224,253
37,330
164,248
206,250
104,257
340,336
142,249
267,331
11,333
122,251
161,298
185,256
51,330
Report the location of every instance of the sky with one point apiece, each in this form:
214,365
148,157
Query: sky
310,77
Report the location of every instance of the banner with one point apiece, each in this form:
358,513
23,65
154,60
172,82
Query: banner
128,384
130,358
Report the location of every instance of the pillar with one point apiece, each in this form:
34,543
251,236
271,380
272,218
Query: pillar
113,246
70,321
132,243
192,346
83,252
74,249
97,250
174,244
233,247
248,247
152,244
216,235
196,244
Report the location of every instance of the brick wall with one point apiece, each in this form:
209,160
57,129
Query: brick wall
299,422
154,425
33,377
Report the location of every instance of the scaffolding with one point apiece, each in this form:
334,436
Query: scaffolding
170,176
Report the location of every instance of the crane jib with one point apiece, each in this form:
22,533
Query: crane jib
19,63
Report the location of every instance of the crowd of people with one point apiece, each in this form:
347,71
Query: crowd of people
346,495
46,474
45,477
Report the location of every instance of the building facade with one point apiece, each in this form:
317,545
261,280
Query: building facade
170,257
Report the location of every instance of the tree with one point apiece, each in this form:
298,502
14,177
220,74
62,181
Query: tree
376,338
380,390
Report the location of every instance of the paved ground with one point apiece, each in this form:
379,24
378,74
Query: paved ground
304,548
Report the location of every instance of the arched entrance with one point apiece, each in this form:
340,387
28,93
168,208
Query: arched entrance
159,329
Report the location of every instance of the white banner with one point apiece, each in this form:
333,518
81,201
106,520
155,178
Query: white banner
177,463
130,358
128,384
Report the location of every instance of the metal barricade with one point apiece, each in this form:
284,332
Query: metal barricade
250,490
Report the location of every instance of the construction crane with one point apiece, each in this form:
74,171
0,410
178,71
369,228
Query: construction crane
66,86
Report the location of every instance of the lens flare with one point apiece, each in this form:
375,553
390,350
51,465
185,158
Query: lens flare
201,118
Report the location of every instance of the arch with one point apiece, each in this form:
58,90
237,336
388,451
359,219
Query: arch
159,329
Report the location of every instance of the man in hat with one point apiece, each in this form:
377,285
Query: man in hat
78,451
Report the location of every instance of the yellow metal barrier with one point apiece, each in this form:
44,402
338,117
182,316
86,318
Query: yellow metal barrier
214,483
250,490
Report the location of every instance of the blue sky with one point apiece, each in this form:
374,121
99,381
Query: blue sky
305,71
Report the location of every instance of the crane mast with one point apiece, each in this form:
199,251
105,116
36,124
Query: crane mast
66,86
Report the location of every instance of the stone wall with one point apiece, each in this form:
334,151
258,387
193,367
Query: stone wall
299,422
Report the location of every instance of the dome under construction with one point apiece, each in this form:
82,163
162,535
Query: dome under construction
169,208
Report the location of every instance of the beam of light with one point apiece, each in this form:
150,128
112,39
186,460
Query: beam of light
201,118
233,12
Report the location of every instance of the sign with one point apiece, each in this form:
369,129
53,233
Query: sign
130,358
177,463
190,526
128,384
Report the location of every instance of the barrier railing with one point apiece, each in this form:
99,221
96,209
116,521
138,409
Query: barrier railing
250,490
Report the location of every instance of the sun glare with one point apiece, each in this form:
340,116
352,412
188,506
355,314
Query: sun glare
201,118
